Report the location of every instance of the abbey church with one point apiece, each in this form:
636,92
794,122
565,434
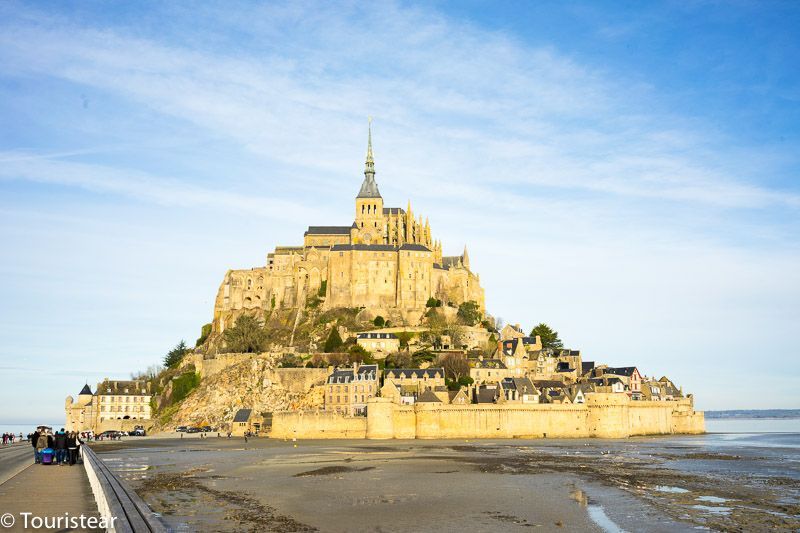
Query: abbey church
386,261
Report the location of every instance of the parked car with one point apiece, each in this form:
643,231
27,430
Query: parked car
111,433
207,429
181,429
138,432
193,430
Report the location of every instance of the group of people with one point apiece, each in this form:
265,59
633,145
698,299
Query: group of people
64,447
9,438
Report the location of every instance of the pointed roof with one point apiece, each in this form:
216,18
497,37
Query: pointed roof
85,390
369,189
428,397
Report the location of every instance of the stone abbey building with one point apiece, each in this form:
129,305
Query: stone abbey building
386,260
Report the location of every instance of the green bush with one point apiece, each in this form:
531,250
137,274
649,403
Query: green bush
205,331
183,385
433,302
379,321
246,336
323,289
469,313
334,342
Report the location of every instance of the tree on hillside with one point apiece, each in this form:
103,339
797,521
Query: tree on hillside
548,335
379,321
433,302
175,355
455,365
334,342
246,336
398,360
469,313
359,354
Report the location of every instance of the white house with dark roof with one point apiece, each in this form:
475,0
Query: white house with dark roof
379,343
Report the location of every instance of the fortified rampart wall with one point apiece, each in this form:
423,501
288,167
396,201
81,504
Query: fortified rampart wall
603,416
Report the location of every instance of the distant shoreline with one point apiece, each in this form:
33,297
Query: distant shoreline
775,414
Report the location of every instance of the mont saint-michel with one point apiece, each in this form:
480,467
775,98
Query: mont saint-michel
386,262
367,330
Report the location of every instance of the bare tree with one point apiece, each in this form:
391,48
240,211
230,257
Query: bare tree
455,365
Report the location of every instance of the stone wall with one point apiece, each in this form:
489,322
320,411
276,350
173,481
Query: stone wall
317,425
604,416
299,380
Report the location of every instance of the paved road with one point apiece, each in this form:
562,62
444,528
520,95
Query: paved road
14,459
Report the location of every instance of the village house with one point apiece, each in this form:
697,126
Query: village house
405,395
514,356
630,376
511,331
348,389
459,397
487,370
379,343
609,383
246,422
519,390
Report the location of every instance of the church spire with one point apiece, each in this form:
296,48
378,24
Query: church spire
369,189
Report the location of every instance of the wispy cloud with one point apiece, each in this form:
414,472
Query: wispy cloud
480,107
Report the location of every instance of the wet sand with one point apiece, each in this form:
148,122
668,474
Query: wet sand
642,484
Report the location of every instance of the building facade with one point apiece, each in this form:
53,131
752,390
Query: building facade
347,390
115,404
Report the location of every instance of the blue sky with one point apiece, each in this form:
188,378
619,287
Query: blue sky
626,173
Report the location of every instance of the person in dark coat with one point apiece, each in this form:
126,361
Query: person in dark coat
60,441
34,437
72,447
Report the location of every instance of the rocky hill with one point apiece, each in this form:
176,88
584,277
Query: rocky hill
247,385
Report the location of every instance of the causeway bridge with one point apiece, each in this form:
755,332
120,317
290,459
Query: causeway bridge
83,497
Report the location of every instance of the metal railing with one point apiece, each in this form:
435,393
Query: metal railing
116,500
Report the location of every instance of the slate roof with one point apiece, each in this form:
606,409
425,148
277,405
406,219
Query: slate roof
486,395
122,388
415,247
346,375
621,371
428,397
587,366
563,366
85,390
393,210
242,415
407,373
328,230
522,385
